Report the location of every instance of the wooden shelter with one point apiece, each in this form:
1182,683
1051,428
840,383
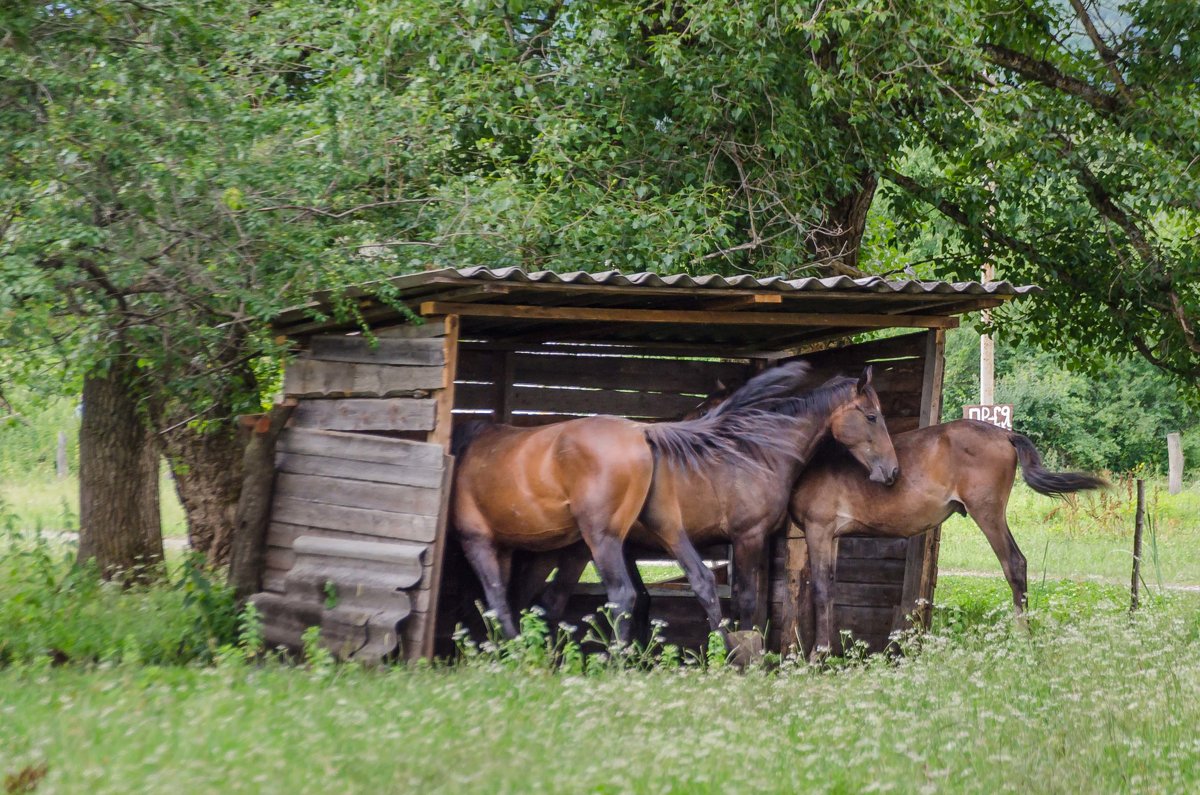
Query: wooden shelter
357,537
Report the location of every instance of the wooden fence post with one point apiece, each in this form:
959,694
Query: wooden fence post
60,458
1175,462
1139,522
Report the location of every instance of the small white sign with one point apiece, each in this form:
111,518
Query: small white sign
1000,414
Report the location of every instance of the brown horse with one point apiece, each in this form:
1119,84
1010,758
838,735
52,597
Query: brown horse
964,466
721,498
545,488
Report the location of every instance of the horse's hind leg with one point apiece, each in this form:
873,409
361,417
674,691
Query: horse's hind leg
750,570
699,576
489,564
641,603
989,515
610,565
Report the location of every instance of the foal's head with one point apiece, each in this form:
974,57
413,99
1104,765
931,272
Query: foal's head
858,425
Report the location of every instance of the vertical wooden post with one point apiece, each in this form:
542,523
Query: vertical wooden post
1175,462
504,378
796,623
426,635
1139,522
987,353
920,576
60,458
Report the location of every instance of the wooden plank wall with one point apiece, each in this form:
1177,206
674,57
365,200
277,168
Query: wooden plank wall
534,385
365,456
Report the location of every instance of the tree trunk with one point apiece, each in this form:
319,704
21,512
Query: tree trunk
207,467
838,242
248,547
120,525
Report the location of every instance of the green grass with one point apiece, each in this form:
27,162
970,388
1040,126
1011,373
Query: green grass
43,502
1087,699
1096,703
1091,536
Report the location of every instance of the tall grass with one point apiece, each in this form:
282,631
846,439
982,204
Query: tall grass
1094,702
1090,535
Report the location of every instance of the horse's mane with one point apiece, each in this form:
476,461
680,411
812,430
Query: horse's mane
465,433
746,429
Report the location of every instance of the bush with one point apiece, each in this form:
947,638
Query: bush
54,609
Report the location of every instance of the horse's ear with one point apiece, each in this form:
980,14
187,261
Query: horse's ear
721,386
864,380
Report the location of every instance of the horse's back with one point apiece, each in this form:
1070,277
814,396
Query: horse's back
940,465
528,486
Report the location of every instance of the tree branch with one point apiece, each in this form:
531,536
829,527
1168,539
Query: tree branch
1050,75
1106,54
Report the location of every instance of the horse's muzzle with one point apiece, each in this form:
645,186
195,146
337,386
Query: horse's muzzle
886,478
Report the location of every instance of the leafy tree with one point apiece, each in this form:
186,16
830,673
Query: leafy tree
1115,418
1073,162
171,181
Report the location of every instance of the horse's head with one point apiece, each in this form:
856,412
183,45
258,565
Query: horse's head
713,400
858,425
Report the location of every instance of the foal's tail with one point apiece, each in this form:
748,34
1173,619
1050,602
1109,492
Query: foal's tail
1043,481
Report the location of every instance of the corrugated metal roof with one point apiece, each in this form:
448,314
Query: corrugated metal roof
831,297
868,284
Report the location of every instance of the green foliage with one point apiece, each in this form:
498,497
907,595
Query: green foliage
53,609
1115,417
29,441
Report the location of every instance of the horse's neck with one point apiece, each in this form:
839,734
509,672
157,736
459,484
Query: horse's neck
808,435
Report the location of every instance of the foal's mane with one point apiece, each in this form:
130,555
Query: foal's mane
746,429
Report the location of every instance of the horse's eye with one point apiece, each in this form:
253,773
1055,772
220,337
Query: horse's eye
871,418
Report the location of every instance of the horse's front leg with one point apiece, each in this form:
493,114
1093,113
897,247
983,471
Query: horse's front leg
821,548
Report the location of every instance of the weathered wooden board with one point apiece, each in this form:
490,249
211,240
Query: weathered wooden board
365,414
867,547
412,331
422,477
386,524
359,494
317,378
869,570
581,401
380,350
679,376
870,624
360,447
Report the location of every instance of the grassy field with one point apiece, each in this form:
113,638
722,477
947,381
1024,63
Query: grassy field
44,502
148,689
1094,702
1090,536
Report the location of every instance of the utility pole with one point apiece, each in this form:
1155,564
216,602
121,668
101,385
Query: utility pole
987,352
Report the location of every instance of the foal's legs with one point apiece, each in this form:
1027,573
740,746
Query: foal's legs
571,562
490,564
821,551
989,515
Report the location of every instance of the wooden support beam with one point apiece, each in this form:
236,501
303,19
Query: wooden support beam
746,301
701,317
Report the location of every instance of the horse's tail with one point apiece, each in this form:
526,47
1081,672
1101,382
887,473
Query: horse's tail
465,433
1054,484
